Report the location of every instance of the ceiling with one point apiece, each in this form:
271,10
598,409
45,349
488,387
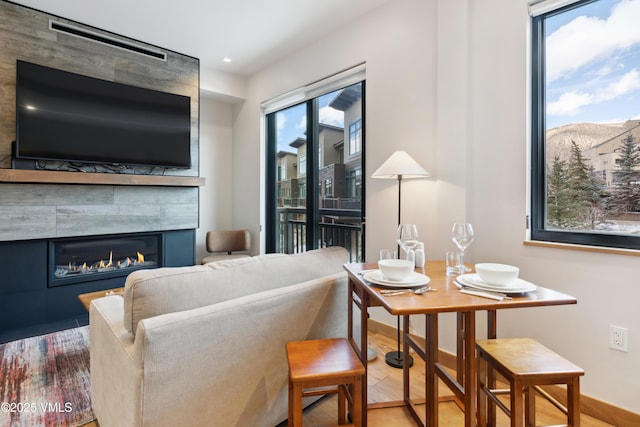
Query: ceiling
253,33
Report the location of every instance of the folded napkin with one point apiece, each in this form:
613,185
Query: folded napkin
483,294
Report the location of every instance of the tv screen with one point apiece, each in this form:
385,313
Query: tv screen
69,117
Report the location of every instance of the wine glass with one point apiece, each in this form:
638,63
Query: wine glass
462,236
408,239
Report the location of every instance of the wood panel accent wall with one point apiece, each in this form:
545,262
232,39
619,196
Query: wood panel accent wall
58,210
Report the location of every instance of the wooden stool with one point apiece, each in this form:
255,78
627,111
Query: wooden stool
324,363
526,365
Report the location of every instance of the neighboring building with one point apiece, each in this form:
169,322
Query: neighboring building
604,157
338,190
349,100
331,175
287,178
341,183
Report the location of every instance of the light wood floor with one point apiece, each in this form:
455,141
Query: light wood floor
385,384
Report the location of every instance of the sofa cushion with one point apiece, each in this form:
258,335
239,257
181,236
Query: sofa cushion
223,257
149,293
232,262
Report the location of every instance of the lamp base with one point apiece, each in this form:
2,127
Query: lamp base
396,359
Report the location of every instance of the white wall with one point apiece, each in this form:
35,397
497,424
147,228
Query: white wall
606,286
400,110
447,82
216,130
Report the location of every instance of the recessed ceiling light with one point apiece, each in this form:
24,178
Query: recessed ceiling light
227,59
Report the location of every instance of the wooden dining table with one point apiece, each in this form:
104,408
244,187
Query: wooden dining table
447,298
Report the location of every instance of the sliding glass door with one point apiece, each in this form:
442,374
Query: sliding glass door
314,174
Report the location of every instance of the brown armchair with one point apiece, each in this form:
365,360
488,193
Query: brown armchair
223,243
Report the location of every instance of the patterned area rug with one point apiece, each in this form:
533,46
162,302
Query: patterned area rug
44,381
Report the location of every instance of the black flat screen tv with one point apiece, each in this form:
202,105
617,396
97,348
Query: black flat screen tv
69,117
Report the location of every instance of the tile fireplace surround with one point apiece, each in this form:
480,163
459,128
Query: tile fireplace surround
33,301
49,206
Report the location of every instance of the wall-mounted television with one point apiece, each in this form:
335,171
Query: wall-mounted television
69,117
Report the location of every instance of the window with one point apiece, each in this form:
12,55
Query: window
302,169
586,123
354,183
355,137
328,188
302,192
310,208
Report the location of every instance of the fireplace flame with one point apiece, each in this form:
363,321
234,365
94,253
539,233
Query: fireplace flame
102,265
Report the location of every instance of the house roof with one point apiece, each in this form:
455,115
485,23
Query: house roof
346,97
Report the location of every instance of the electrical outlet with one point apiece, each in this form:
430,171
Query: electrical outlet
618,338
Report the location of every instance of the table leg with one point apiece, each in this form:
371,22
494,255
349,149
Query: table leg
364,328
365,302
492,333
460,348
431,356
470,374
406,360
492,324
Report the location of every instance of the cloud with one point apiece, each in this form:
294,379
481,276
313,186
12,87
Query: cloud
302,124
326,115
585,40
628,83
281,122
331,116
572,103
569,104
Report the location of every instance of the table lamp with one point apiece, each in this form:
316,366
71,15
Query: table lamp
399,166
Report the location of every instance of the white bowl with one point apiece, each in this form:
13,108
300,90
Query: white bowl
396,269
497,274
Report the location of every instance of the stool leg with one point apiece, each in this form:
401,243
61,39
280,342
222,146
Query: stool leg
492,409
290,417
517,417
356,411
482,396
342,407
573,402
295,406
530,407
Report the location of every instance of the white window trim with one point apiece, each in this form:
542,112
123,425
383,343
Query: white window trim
336,81
540,7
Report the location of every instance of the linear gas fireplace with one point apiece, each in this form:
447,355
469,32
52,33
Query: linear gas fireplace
86,259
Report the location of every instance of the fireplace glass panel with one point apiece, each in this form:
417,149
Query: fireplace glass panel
99,257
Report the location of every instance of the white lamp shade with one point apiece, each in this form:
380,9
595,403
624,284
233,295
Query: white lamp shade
400,164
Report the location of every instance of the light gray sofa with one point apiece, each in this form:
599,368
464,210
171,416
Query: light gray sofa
205,345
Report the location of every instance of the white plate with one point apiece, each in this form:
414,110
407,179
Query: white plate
416,279
518,286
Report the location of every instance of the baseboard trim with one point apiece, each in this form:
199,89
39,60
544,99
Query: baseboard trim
593,407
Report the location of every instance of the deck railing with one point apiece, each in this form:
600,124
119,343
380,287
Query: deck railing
336,228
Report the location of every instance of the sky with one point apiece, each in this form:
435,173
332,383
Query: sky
593,64
292,122
593,71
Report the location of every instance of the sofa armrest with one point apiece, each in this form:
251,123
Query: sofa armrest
116,369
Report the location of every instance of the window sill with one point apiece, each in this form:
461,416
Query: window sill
583,248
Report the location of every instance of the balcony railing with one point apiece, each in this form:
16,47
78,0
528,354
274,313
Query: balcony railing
336,228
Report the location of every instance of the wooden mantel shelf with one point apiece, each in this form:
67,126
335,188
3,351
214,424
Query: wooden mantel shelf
59,177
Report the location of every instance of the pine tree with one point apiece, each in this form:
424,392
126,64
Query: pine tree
586,190
561,209
625,194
